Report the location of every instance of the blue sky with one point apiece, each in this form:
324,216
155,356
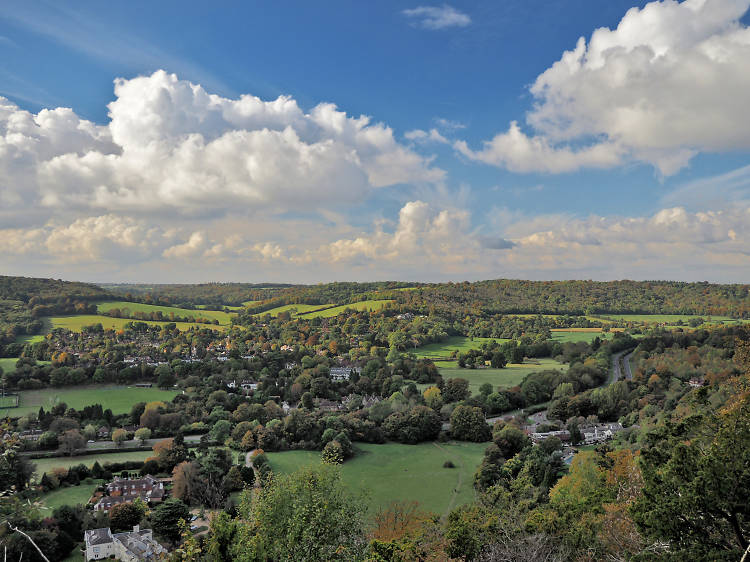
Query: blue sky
601,149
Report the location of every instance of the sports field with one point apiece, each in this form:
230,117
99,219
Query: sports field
222,317
46,465
76,323
117,398
511,375
460,344
395,472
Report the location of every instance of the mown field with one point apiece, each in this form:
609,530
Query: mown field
581,334
395,472
666,318
76,323
460,344
222,317
29,339
511,375
72,495
46,465
117,398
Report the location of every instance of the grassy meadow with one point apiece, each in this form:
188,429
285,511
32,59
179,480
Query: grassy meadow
395,472
117,398
72,495
370,305
46,465
222,317
443,350
77,323
511,375
666,318
293,309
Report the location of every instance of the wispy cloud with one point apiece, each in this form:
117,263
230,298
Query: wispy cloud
100,39
437,17
712,192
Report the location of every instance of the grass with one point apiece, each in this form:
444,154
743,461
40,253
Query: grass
75,555
370,305
118,398
222,317
666,318
72,495
76,323
578,335
511,375
7,401
46,465
395,472
293,309
443,349
30,339
8,364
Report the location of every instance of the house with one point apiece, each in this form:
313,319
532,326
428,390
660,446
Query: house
131,546
31,434
600,432
290,365
329,405
696,382
562,435
126,490
249,385
343,373
144,384
102,432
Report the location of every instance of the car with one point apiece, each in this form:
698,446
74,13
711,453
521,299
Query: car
91,441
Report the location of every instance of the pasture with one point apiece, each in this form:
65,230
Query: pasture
294,309
77,323
511,375
8,364
580,334
29,339
443,350
667,318
370,305
46,465
117,398
222,317
395,472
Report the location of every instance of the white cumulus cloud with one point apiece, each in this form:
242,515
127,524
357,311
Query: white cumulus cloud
669,82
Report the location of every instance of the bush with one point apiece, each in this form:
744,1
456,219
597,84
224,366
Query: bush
448,464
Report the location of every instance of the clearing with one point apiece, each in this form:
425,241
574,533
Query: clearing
396,472
115,397
667,318
443,350
293,309
370,305
72,495
222,317
511,375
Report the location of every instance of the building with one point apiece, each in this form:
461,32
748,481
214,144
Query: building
249,385
600,432
343,373
126,490
696,382
131,546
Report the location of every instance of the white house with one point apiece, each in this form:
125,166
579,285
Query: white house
131,546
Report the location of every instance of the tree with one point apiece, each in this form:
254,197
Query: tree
89,432
696,474
220,431
308,401
71,440
308,515
498,360
143,434
433,398
124,516
233,480
485,389
166,516
455,390
332,453
468,424
165,378
119,436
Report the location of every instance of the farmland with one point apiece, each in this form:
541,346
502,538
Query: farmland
394,472
370,305
46,465
443,350
668,318
117,398
76,323
511,375
293,309
132,307
581,334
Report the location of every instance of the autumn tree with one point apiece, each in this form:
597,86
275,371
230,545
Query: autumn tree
119,436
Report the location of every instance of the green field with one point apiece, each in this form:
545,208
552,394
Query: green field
294,309
72,495
573,336
29,339
76,323
117,398
362,305
511,375
8,364
46,465
222,317
395,472
442,350
667,318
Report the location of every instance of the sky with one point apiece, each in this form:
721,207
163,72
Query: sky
310,142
